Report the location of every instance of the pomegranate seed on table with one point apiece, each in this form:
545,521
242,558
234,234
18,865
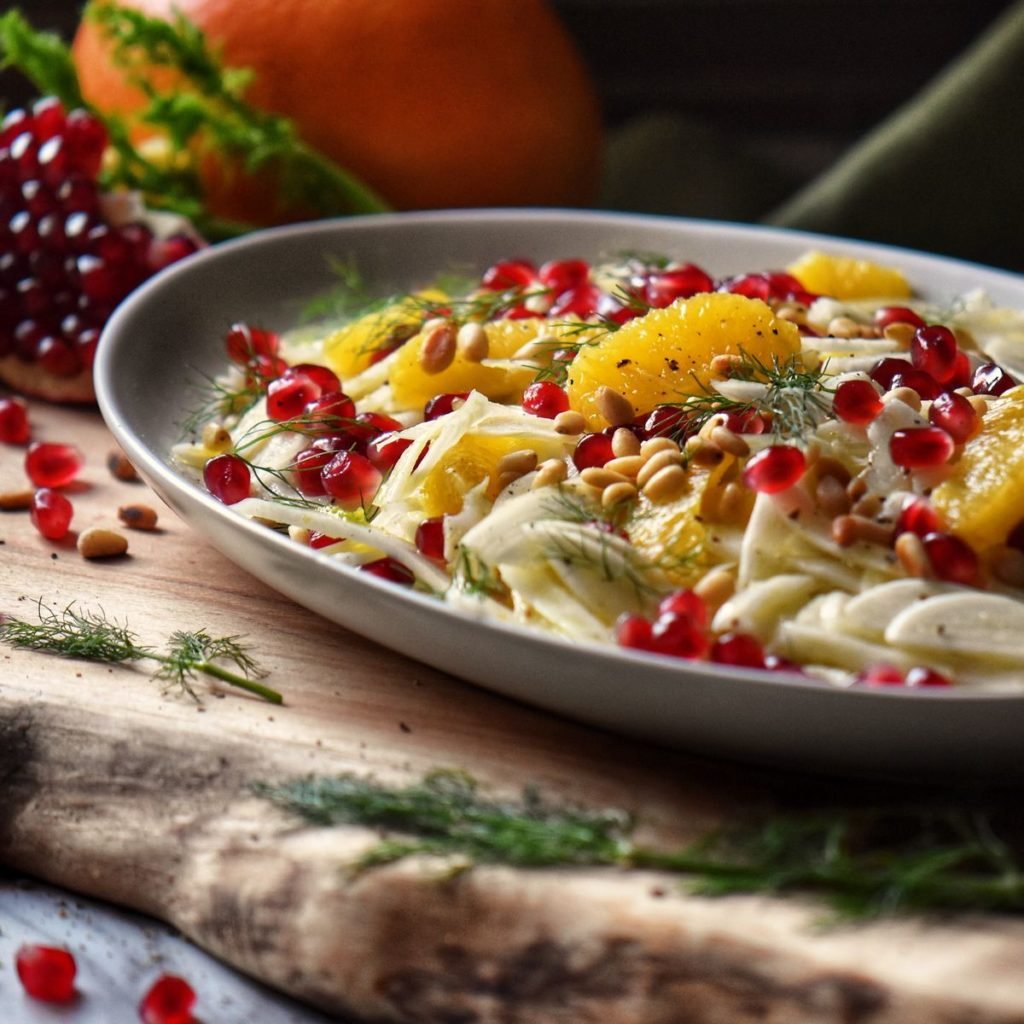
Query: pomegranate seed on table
774,469
46,973
14,425
857,401
49,464
170,1000
921,447
592,450
51,513
227,478
954,414
546,399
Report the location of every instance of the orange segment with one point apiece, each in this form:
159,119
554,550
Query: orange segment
666,354
843,277
412,387
983,500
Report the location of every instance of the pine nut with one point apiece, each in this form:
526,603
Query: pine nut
438,349
506,478
653,445
138,517
600,476
615,408
569,422
900,333
831,496
99,543
913,556
733,502
979,403
616,494
16,501
550,472
869,506
625,442
656,463
850,529
667,484
703,452
718,420
627,465
472,343
826,465
723,364
730,442
908,396
795,313
539,349
857,488
121,468
519,462
843,327
715,588
216,437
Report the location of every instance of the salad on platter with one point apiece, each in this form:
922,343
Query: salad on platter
809,470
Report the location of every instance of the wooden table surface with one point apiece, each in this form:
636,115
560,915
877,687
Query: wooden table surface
119,791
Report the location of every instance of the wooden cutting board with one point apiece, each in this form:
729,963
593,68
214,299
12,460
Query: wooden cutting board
114,789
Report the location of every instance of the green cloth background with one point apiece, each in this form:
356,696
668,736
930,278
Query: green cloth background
943,173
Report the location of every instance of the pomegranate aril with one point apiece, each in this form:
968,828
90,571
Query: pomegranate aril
885,371
962,374
687,604
306,469
430,538
49,464
351,480
385,450
922,676
880,675
954,414
85,140
991,379
48,117
774,469
857,401
951,559
58,357
78,194
51,513
592,450
170,1000
667,421
921,447
546,399
663,287
14,123
508,274
747,421
679,637
923,383
46,973
634,631
165,251
331,411
561,275
227,478
917,516
441,405
391,570
323,376
739,649
888,315
319,540
582,302
933,350
14,425
287,397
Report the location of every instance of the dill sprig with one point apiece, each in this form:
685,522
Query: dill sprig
864,861
472,575
72,632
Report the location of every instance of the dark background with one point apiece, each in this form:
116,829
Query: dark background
796,82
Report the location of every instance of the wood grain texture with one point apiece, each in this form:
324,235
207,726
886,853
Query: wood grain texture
116,790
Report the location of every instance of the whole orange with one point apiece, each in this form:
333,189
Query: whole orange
433,103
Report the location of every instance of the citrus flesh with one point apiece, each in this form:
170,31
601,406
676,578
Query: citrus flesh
847,278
